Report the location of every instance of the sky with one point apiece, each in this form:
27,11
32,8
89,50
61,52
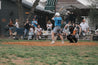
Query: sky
85,2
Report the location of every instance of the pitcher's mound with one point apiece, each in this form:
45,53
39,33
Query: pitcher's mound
48,43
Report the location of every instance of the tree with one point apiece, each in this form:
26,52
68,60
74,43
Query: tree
33,8
93,14
20,13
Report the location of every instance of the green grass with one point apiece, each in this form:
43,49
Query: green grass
57,55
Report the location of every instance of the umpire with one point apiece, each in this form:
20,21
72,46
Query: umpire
71,37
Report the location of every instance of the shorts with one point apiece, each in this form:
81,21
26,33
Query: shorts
30,33
10,28
57,29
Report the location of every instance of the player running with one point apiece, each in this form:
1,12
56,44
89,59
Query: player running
57,28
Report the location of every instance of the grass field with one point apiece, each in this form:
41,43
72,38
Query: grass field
51,55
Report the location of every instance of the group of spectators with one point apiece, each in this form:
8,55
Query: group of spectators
31,29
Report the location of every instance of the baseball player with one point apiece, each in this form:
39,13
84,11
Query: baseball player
57,28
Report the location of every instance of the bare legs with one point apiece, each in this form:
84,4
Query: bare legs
53,38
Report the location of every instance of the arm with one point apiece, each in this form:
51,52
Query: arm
47,25
80,30
88,30
65,27
53,18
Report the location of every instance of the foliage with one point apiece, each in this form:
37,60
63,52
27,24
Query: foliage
93,14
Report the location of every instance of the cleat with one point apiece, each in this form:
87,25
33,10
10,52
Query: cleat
62,42
52,42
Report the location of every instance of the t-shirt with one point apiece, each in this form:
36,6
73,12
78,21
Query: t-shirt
34,23
17,25
67,25
57,21
27,26
39,29
31,30
10,24
84,26
49,26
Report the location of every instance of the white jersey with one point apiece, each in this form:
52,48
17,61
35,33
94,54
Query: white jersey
84,26
67,25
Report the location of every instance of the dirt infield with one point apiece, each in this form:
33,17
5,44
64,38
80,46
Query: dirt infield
48,43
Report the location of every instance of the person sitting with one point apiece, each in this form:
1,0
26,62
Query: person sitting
39,32
31,33
49,26
10,25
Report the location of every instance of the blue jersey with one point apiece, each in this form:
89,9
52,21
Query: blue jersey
34,23
57,21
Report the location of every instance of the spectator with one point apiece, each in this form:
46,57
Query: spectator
10,27
34,23
17,24
67,17
35,17
39,32
27,27
49,26
84,27
31,33
96,32
72,17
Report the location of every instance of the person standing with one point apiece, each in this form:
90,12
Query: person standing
57,28
27,27
34,23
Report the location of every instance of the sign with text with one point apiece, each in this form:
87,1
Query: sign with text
50,4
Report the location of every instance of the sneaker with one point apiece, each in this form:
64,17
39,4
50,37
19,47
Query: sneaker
52,42
62,42
55,38
39,37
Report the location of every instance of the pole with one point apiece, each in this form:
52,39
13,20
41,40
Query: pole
55,6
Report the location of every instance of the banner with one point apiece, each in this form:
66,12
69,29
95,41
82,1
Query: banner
50,4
